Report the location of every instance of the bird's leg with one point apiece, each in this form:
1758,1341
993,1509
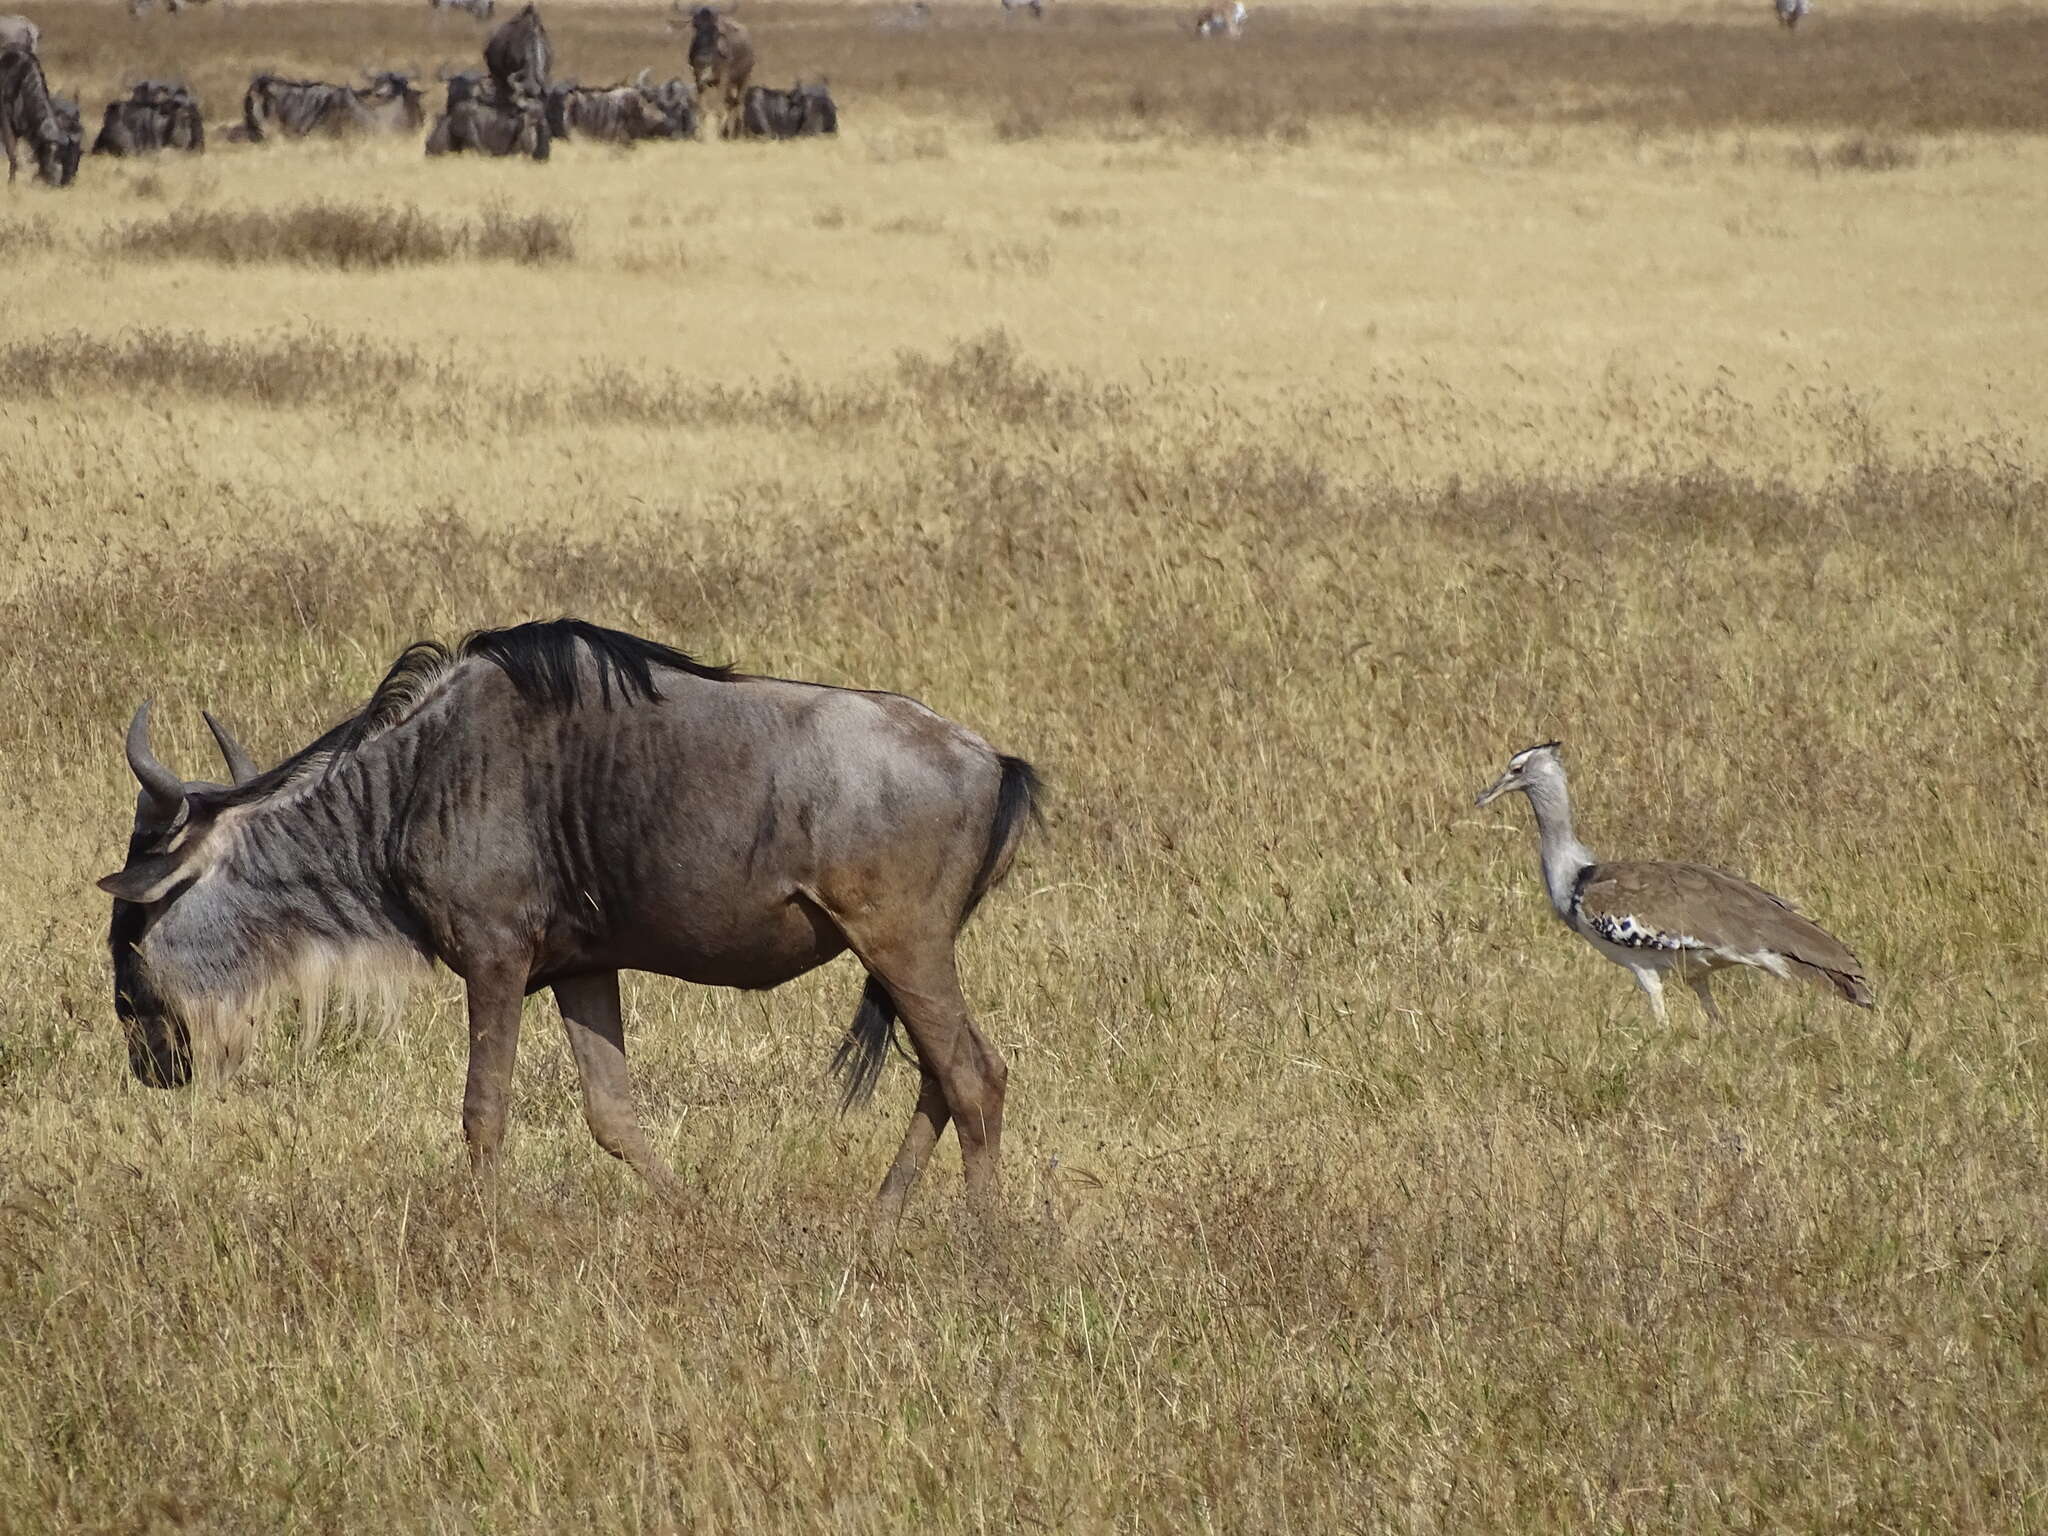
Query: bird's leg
1653,988
1698,981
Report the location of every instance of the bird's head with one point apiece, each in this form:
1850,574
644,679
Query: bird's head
1523,769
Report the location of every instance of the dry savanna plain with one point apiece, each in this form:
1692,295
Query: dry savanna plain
1265,439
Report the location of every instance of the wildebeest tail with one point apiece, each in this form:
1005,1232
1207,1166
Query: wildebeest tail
1017,798
858,1061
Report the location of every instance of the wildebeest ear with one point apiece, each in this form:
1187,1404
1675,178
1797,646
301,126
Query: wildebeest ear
147,879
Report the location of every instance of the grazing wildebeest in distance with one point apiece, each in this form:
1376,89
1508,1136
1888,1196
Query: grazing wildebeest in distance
1221,20
548,805
155,116
520,57
482,10
721,56
297,108
1792,12
1035,7
19,32
486,124
798,112
28,111
623,114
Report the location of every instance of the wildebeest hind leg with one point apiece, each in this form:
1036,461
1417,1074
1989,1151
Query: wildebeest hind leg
927,1124
925,987
597,1038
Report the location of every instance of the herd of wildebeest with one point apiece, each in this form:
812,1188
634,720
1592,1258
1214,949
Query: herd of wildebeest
514,105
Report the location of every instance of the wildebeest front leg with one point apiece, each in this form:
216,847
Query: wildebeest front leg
597,1037
493,1048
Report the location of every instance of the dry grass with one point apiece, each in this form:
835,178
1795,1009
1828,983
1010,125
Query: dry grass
344,236
1265,495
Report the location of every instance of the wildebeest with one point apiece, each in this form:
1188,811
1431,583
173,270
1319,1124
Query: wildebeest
28,111
623,114
721,56
1792,12
548,805
1035,7
519,56
389,104
1224,19
155,116
486,125
798,112
482,10
20,32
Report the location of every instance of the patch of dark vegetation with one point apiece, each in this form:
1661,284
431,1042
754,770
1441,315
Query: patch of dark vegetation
982,384
344,236
26,237
301,369
530,239
1860,153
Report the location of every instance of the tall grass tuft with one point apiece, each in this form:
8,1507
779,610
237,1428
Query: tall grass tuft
348,237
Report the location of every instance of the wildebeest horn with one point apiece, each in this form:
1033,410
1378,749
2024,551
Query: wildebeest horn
640,80
163,787
241,767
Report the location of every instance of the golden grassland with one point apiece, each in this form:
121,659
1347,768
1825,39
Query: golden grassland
1265,479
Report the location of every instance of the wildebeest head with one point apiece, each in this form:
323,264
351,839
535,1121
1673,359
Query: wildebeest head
817,114
392,101
677,100
166,854
58,162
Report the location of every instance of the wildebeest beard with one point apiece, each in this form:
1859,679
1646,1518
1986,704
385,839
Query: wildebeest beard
234,951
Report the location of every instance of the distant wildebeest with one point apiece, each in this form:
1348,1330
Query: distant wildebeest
482,10
1035,7
297,108
140,7
19,32
798,112
520,57
1225,19
484,124
28,111
721,57
549,805
623,114
1792,12
155,116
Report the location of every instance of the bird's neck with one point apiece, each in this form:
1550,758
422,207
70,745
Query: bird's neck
1563,856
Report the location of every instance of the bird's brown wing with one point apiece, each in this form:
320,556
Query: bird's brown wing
1679,907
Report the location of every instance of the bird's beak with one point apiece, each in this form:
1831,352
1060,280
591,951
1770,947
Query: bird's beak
1495,790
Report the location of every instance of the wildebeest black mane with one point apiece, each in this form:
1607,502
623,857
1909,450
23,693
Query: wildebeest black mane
539,658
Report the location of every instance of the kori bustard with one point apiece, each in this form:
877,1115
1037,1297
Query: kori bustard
1654,918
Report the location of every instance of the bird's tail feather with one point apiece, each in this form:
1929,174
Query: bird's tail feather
1850,984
